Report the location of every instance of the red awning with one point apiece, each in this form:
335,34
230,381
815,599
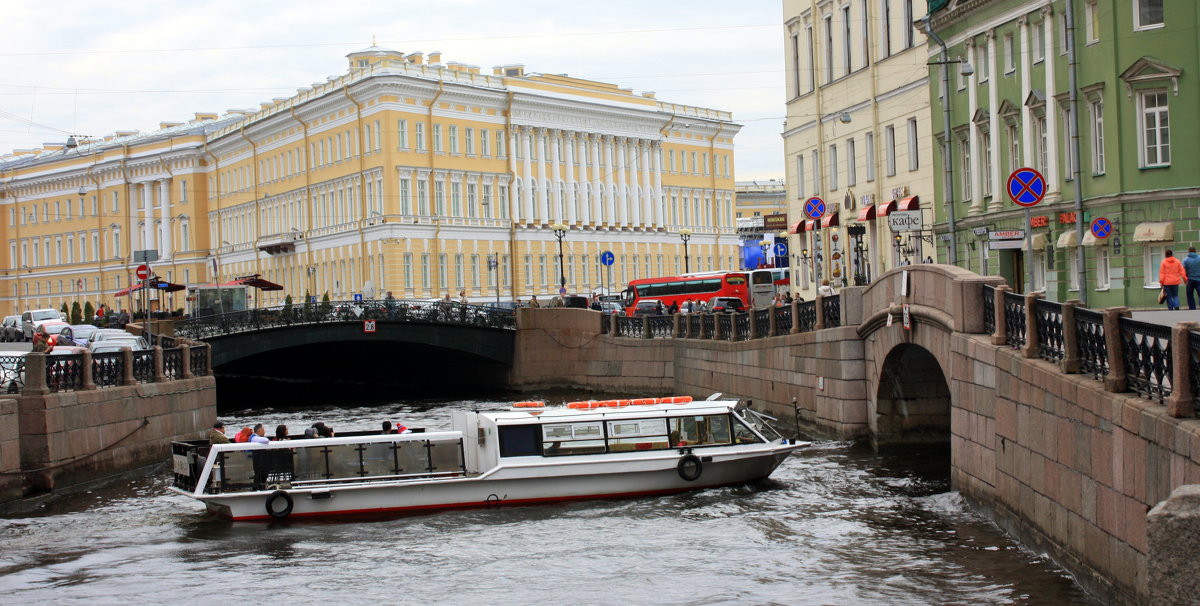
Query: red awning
810,225
866,213
797,228
910,203
163,286
255,282
830,220
886,209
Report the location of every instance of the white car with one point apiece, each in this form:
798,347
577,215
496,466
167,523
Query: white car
134,343
32,319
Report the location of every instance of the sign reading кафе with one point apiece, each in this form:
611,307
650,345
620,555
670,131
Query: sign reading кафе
905,220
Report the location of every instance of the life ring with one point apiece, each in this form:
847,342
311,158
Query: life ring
279,514
689,467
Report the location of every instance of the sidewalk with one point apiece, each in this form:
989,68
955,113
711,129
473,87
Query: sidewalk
1167,318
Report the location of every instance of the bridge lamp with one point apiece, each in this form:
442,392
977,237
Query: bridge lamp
560,231
685,235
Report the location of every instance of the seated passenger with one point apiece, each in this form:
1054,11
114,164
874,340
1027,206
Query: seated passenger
323,430
387,428
260,435
281,432
243,436
216,435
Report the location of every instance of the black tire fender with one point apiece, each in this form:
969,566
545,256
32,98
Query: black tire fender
690,467
279,514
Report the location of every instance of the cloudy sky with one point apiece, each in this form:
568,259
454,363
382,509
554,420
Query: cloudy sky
94,67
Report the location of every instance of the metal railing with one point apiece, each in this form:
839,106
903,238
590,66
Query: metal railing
989,309
1049,326
1093,349
1014,319
1146,353
806,316
783,319
382,310
832,307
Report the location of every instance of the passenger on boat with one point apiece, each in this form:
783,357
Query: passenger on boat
400,428
310,433
281,432
243,435
387,428
260,435
216,435
323,430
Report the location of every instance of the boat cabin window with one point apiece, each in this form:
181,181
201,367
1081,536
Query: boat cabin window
703,430
519,440
573,438
743,434
637,434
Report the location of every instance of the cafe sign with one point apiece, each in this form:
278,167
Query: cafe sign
905,220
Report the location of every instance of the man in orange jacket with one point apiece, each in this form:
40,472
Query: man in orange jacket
1170,276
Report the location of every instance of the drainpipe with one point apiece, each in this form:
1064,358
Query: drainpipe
947,163
1076,174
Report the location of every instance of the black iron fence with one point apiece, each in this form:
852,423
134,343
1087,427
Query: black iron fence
1093,350
65,372
382,310
753,324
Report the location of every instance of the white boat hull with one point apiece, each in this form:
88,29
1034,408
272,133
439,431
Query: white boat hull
523,480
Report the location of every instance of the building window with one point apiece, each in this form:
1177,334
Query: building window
851,160
469,142
437,138
962,78
964,154
1103,268
985,145
1152,256
1097,128
1154,129
453,139
828,48
885,27
1062,33
419,130
810,64
866,33
889,144
799,177
913,157
847,63
870,160
983,62
1010,54
1091,22
1039,270
909,33
1147,14
1072,268
1014,147
796,63
1039,142
833,168
816,172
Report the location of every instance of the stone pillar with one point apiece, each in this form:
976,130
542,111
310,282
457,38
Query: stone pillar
772,329
543,192
1114,381
675,333
88,381
820,313
35,375
716,328
1070,361
648,199
186,370
646,327
164,214
1179,403
622,197
999,336
1172,542
795,316
158,363
147,216
635,191
527,179
127,372
553,178
595,198
610,187
753,325
572,202
1031,338
208,360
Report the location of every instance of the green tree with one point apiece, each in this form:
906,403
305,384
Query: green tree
64,309
89,312
76,313
287,308
325,308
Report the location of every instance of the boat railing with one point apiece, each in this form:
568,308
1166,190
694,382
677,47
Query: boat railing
314,463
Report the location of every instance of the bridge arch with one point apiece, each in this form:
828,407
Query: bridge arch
912,399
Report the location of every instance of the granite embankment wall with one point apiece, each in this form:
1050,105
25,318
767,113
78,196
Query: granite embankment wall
52,441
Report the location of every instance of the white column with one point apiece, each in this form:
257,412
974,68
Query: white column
597,200
993,121
543,196
165,250
610,189
622,192
647,185
572,212
658,199
1026,115
527,181
147,216
973,136
514,200
1052,184
635,199
555,178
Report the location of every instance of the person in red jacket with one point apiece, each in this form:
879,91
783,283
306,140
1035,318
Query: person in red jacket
1170,276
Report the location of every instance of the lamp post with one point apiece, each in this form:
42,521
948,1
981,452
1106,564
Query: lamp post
685,234
560,231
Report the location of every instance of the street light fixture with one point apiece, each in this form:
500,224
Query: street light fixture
685,234
560,231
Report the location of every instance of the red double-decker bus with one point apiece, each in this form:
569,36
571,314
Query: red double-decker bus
679,289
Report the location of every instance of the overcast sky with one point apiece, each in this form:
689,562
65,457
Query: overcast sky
94,67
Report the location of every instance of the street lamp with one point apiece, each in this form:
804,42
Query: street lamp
685,234
560,231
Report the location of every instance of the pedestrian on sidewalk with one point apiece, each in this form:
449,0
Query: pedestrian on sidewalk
1191,268
1170,275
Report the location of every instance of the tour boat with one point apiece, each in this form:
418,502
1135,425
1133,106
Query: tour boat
529,453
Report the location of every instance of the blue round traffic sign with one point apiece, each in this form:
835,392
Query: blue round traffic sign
814,208
607,258
781,249
1102,228
1026,187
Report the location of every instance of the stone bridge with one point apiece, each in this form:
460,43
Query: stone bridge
1066,425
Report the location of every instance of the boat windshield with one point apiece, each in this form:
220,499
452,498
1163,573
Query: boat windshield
760,422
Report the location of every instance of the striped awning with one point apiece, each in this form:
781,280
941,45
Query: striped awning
886,209
866,213
830,220
796,227
909,203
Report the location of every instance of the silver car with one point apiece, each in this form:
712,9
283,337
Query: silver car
10,329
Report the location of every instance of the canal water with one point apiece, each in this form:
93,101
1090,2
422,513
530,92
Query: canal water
835,524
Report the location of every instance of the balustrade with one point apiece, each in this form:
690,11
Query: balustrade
783,319
832,306
1093,349
989,309
1146,352
1014,319
1049,329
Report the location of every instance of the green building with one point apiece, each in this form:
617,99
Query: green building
1136,99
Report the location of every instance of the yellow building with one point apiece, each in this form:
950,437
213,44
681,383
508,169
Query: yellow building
405,174
857,136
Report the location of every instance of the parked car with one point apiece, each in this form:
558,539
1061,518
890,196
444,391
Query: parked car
10,329
610,308
134,343
80,334
109,347
101,334
649,307
32,319
726,305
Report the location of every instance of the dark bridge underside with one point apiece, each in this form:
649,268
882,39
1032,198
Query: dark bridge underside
314,363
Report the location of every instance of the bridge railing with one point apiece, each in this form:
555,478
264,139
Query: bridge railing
799,316
85,371
382,310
